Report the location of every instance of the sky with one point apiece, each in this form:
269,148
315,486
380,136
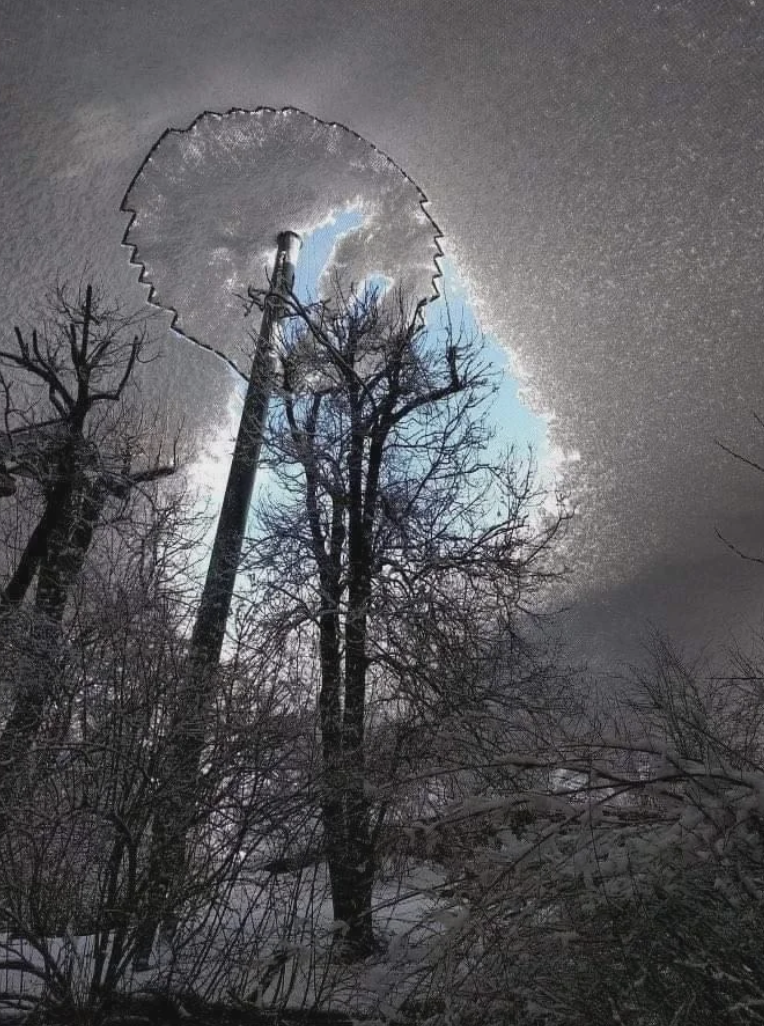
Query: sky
206,293
595,167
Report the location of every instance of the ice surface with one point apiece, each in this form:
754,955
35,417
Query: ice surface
210,200
596,170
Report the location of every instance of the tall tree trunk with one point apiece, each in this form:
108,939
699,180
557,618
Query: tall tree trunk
61,559
58,500
352,896
358,862
350,905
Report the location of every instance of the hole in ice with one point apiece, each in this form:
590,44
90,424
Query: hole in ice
316,253
209,201
516,423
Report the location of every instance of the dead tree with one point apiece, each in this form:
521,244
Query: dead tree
68,432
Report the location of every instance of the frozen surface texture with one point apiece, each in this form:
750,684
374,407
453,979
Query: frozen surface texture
596,167
210,200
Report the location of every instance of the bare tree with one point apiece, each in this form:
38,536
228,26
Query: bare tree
72,436
620,879
396,539
77,881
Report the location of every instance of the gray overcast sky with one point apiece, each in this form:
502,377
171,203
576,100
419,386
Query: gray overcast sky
595,165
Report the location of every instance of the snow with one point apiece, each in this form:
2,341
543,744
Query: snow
229,948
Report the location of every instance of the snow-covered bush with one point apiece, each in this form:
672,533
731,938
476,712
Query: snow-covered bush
635,894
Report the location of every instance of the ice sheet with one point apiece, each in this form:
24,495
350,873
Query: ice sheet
209,201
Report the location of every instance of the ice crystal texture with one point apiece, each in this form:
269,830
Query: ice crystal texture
209,202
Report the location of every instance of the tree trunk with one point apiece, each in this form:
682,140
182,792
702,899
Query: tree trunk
343,809
63,549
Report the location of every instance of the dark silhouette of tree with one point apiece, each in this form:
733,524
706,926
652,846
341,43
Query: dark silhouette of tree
70,433
396,539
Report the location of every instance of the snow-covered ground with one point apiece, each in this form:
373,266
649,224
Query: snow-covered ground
259,942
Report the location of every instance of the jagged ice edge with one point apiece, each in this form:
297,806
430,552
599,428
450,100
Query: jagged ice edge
143,278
